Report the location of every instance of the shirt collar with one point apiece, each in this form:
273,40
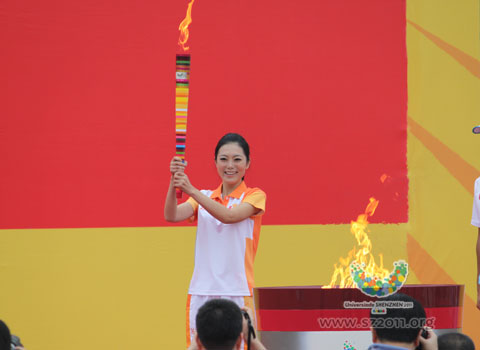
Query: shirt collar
237,193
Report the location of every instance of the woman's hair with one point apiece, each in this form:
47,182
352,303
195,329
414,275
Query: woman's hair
234,138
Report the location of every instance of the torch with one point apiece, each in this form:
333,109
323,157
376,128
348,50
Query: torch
182,77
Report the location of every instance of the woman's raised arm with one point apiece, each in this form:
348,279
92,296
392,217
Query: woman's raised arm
217,210
172,211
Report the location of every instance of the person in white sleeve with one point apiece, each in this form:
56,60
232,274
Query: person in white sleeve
228,228
476,222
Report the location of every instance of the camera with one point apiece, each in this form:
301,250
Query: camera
251,330
246,315
423,335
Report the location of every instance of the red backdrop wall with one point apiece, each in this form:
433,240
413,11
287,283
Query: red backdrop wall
318,88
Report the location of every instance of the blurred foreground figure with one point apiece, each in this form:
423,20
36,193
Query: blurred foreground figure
455,341
221,325
401,327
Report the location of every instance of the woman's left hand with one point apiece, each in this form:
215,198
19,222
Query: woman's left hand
181,181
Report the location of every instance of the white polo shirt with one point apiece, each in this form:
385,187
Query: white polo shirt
224,253
476,204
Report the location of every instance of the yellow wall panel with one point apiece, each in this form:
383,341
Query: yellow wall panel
440,216
454,21
443,100
118,288
443,96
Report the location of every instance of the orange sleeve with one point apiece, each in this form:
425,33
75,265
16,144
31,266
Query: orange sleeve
194,205
257,198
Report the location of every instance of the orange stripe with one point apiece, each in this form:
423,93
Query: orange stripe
456,165
248,302
250,252
188,320
428,271
469,62
426,268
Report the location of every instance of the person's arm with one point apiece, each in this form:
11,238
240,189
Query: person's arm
478,269
217,210
255,344
431,342
171,210
476,222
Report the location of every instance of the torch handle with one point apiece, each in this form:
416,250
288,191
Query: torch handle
182,82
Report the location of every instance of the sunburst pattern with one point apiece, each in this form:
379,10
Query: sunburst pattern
429,244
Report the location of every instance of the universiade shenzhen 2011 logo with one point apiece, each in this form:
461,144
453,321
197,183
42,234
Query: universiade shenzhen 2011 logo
374,286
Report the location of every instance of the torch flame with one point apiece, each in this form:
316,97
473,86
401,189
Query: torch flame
361,253
183,27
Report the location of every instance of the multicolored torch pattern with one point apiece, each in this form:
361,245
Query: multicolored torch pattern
181,105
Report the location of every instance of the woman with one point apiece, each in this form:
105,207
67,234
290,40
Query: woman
228,228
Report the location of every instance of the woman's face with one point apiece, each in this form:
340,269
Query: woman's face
231,163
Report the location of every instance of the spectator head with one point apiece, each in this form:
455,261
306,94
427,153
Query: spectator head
219,325
401,324
5,337
455,341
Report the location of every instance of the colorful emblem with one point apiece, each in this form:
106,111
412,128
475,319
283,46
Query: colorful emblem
374,286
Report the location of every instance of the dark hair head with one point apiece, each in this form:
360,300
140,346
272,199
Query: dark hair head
233,138
402,324
455,341
219,324
5,337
